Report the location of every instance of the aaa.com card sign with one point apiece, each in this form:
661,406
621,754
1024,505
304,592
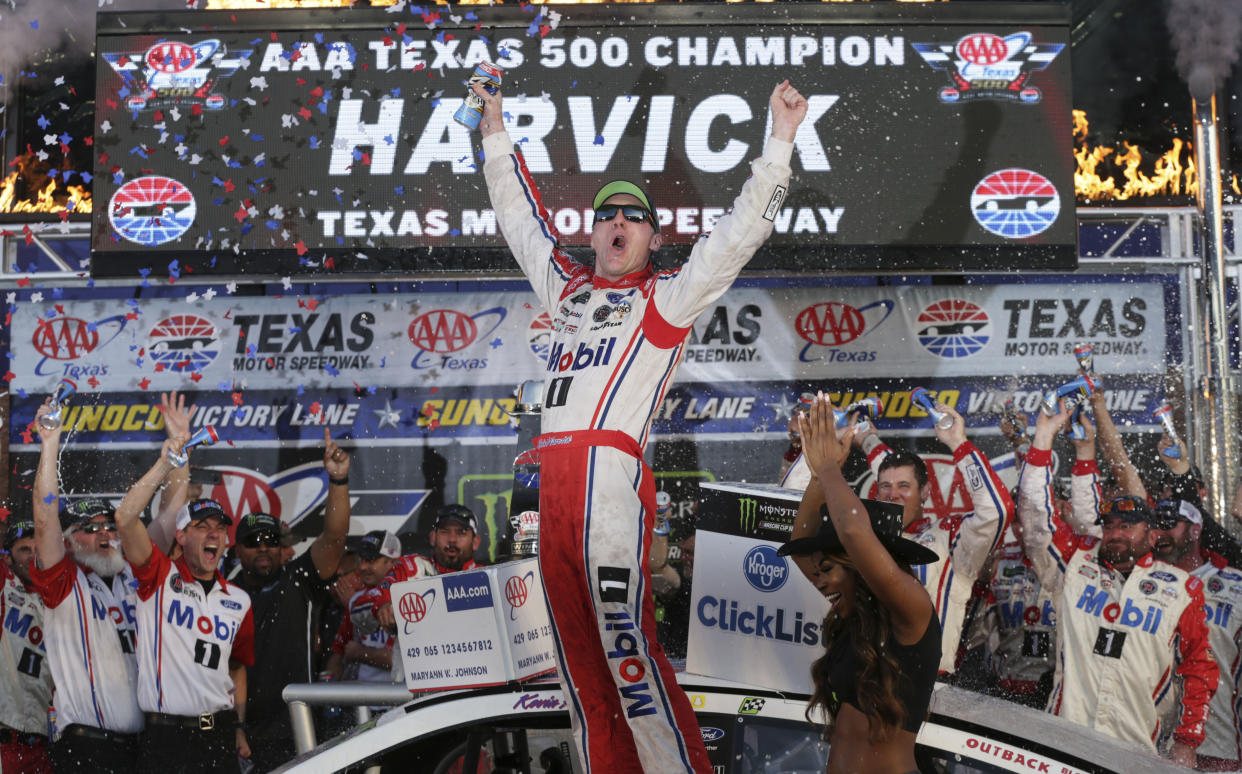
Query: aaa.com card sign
475,628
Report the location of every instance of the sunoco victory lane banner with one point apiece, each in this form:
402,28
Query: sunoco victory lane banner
273,142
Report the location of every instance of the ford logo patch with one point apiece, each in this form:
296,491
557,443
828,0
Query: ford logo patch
712,734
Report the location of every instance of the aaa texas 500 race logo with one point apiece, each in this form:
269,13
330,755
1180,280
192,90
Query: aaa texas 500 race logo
982,65
175,73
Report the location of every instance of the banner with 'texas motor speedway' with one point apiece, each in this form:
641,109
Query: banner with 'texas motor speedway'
446,364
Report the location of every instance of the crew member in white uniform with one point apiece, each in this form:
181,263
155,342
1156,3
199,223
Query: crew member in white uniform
1176,540
1127,622
25,677
619,329
195,635
88,593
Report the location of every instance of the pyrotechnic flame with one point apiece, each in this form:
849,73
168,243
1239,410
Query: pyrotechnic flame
1101,168
51,198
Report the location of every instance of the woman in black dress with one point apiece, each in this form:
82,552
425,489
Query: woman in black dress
874,682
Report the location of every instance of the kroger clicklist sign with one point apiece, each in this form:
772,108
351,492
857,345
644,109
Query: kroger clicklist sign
750,604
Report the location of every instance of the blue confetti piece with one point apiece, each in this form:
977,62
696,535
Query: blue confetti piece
245,229
472,16
235,164
257,137
218,201
455,232
21,393
301,390
319,38
34,24
599,140
144,272
272,225
533,29
51,498
330,369
357,154
225,386
58,293
314,142
399,190
65,138
52,173
118,178
251,350
87,177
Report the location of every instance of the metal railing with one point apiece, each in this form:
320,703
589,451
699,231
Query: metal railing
359,695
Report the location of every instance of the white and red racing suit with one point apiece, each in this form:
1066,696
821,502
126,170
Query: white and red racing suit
406,568
615,347
1222,591
1019,623
1121,639
962,541
25,675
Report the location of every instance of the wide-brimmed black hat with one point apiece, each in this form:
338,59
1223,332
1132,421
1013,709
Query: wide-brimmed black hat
886,522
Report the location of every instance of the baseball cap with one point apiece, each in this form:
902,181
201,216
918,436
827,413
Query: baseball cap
200,509
458,513
1169,512
377,543
84,510
254,523
1128,508
17,530
626,187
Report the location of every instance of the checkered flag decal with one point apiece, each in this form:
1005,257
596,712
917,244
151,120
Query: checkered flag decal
750,706
1033,56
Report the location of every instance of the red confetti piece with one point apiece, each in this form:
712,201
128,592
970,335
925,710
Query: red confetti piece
241,213
196,376
237,399
93,382
145,383
224,140
23,282
302,248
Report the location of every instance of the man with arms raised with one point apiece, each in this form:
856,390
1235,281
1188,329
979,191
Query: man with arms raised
195,635
1126,621
284,600
89,623
620,327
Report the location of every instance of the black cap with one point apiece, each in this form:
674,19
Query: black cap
1128,508
458,513
257,523
377,543
84,510
200,509
16,530
886,522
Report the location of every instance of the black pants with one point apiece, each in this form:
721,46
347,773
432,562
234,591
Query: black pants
83,748
271,743
187,750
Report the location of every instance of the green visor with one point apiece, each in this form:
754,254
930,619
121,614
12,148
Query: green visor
626,187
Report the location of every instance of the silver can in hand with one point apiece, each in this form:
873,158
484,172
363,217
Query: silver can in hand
470,113
60,399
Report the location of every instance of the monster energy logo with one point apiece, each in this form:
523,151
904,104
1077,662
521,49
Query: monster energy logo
748,513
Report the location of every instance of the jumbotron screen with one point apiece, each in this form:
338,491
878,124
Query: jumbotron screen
278,142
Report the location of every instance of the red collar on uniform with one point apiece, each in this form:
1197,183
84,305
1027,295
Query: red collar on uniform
1218,561
918,525
630,280
441,570
184,569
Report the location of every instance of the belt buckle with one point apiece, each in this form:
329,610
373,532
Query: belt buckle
206,722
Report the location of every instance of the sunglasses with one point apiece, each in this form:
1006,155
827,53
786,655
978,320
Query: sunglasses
632,213
98,526
261,539
1123,504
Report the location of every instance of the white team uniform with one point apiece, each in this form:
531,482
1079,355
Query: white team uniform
1019,623
25,675
963,543
185,641
1120,639
89,635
